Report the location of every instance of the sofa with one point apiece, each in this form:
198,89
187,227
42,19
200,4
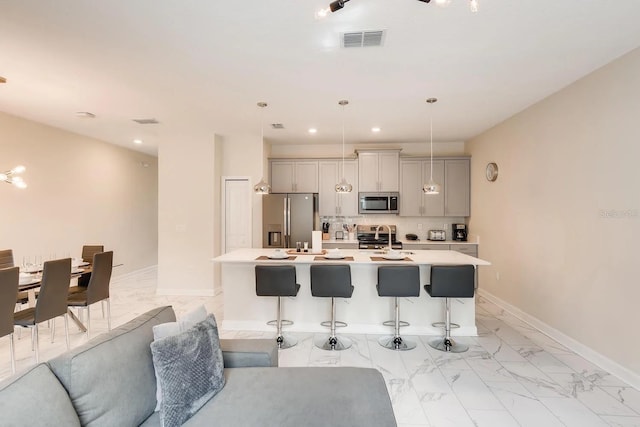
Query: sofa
110,381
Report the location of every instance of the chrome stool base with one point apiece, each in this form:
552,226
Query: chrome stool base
338,324
448,345
396,343
401,323
333,343
286,341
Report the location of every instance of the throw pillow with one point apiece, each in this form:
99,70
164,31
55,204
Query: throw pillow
190,370
173,328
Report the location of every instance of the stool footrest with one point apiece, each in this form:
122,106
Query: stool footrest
339,324
284,322
443,324
401,323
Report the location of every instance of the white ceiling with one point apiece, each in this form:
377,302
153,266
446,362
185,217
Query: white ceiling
200,67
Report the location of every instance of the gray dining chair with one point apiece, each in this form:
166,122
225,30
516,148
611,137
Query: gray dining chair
6,261
88,251
51,302
9,278
97,289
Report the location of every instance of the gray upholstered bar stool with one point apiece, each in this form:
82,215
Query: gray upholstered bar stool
332,281
398,281
450,281
278,281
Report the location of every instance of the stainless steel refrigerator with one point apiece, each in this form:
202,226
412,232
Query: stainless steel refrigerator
289,218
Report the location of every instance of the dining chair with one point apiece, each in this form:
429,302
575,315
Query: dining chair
97,290
6,261
88,251
51,302
6,258
9,278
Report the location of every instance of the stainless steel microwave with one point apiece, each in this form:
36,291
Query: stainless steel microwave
378,203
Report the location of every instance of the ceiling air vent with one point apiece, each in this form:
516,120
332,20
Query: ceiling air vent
362,38
277,125
146,121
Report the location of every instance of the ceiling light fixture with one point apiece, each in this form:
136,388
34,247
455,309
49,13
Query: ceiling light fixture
343,186
375,129
2,80
313,130
431,187
10,177
262,187
137,141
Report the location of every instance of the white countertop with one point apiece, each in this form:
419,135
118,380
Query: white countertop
430,257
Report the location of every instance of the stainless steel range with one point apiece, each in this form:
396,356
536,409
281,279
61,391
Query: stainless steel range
377,237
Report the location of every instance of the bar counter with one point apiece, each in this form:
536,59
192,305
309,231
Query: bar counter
364,311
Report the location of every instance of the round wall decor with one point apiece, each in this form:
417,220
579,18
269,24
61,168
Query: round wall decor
492,172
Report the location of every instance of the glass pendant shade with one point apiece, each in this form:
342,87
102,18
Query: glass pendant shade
431,187
344,187
262,187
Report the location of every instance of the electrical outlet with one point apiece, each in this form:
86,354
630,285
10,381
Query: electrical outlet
419,226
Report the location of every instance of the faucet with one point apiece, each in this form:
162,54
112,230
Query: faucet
377,236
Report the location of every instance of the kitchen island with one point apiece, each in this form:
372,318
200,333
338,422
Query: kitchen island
364,311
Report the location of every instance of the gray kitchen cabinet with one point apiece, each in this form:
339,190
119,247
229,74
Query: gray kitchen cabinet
466,249
294,176
332,203
413,175
457,190
378,170
429,247
453,176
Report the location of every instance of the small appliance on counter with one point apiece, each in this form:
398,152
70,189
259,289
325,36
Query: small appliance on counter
411,236
460,232
438,235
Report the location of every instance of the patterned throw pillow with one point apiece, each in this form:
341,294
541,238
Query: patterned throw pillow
190,370
164,330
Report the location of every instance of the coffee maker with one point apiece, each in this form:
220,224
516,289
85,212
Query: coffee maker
459,232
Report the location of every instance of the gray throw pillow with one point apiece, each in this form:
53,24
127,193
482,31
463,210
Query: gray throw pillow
190,369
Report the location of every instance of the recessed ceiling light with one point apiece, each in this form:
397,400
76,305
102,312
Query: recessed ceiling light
313,130
85,115
137,141
375,129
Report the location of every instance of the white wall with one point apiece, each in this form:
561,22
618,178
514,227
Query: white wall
188,214
562,222
81,191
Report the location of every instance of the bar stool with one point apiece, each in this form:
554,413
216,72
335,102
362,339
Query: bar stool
450,281
278,281
332,281
398,281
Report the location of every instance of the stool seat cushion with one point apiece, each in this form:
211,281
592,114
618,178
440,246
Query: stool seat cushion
399,281
331,281
451,281
276,281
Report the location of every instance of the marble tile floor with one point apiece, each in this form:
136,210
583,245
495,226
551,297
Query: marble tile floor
513,375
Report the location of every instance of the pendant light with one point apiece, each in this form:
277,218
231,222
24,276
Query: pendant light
431,187
10,177
262,187
343,186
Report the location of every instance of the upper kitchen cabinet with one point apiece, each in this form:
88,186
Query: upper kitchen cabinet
332,203
413,175
457,190
453,177
378,170
294,176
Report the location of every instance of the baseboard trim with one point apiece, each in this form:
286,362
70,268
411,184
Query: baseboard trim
588,353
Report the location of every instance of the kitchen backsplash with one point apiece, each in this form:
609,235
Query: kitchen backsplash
404,224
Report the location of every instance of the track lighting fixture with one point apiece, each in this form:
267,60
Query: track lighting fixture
339,4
